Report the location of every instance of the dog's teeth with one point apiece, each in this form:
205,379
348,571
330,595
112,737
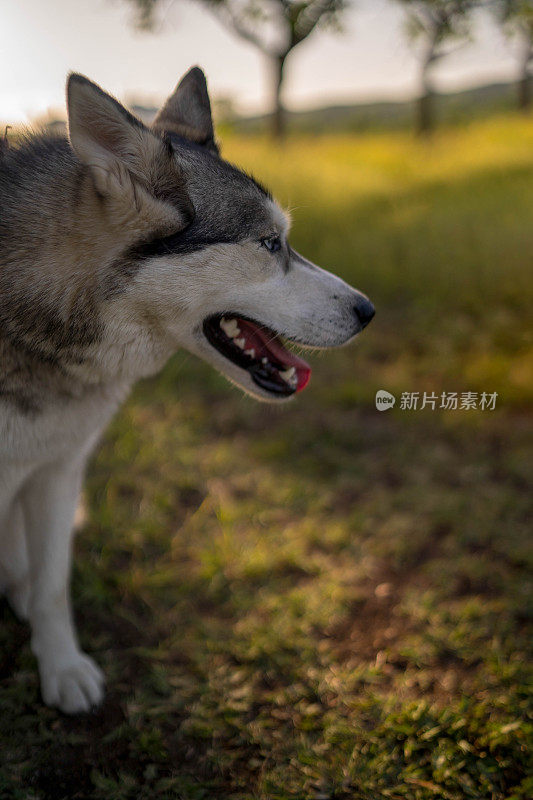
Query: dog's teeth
230,327
250,353
225,325
240,343
288,374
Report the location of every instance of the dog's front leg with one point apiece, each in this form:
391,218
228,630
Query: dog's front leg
69,679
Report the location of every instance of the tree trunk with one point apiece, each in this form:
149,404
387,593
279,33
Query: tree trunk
524,83
524,93
279,116
425,110
424,122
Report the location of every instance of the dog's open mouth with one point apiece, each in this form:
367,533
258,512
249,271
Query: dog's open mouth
259,350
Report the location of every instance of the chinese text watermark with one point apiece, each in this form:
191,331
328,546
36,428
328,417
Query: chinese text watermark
448,401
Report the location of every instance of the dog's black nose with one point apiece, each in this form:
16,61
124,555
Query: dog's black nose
364,310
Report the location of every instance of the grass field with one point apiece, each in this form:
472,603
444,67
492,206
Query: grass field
321,600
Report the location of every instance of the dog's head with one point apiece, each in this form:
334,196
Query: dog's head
203,245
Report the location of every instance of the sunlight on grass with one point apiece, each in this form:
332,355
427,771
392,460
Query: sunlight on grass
413,221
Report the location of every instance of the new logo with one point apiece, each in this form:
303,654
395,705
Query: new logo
384,400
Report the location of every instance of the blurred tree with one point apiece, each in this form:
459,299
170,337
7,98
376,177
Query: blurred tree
435,23
275,27
517,19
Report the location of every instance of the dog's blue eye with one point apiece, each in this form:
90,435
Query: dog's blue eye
272,243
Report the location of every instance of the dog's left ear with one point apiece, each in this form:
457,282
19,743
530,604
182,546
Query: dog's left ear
129,164
187,111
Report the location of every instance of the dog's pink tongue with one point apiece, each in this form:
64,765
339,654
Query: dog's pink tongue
266,343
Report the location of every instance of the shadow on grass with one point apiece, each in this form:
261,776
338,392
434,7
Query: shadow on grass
336,575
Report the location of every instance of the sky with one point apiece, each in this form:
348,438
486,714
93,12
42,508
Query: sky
42,40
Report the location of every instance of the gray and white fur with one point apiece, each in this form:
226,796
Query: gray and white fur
116,244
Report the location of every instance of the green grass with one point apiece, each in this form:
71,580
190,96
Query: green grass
320,600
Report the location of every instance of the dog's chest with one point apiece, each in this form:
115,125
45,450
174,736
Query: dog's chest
60,430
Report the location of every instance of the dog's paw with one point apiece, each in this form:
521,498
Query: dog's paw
75,687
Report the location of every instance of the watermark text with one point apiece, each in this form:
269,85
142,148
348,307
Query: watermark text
448,401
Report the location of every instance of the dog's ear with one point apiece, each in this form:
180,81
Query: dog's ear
187,111
125,158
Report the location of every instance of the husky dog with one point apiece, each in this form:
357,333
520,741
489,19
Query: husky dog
117,247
